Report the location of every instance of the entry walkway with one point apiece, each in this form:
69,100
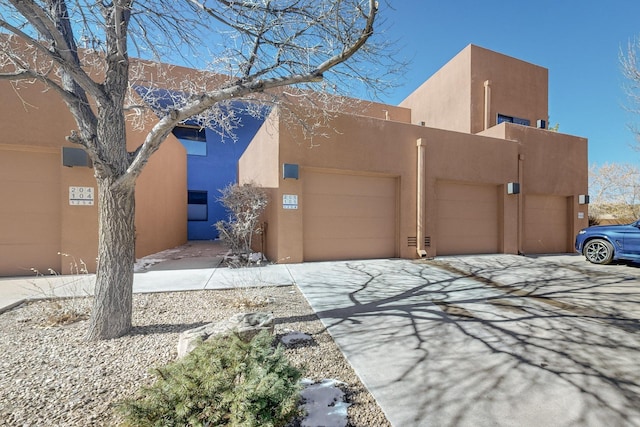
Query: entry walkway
194,266
464,341
16,290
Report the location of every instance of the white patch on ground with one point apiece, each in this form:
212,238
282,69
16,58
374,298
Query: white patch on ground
324,404
256,257
295,337
144,263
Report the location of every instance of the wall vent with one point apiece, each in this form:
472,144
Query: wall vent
413,241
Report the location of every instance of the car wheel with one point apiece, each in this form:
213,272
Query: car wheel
598,251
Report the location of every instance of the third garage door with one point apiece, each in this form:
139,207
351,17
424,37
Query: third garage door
348,216
467,218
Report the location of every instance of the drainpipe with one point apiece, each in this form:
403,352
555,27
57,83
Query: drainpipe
520,202
487,104
420,199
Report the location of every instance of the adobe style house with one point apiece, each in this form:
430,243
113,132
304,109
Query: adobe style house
464,165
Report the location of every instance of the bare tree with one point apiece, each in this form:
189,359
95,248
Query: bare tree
630,65
245,204
615,191
80,50
616,187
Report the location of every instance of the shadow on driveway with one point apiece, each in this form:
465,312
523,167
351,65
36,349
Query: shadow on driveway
531,343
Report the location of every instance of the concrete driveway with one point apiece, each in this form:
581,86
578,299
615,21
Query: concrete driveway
494,340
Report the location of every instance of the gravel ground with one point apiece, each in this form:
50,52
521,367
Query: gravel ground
50,376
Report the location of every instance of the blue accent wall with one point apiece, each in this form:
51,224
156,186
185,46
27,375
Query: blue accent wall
215,171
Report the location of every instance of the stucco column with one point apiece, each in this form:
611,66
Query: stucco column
420,198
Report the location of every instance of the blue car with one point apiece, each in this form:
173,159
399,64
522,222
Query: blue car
602,244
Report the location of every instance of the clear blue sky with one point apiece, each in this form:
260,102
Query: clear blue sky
577,41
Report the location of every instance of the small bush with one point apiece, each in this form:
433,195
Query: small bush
68,295
222,382
245,204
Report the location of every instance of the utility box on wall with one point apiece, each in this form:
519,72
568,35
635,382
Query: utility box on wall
72,156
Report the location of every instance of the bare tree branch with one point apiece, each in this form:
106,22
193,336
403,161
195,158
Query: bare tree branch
630,66
247,52
615,191
56,38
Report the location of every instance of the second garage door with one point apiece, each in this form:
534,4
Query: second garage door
467,218
348,216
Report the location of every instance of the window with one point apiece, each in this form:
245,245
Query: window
193,138
197,206
515,120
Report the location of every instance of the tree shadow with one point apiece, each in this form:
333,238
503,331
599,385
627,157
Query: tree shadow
501,341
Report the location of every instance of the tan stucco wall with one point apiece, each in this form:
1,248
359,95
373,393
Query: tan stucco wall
260,160
443,101
454,97
376,141
29,212
78,224
33,115
517,88
555,164
31,179
380,111
36,220
356,145
463,158
161,200
365,146
360,145
260,165
161,188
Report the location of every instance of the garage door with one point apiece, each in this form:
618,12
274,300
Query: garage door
467,218
348,216
545,224
29,211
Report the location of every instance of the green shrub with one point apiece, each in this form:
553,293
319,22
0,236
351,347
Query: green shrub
222,382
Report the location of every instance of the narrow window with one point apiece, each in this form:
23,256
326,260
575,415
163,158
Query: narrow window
510,119
197,207
193,138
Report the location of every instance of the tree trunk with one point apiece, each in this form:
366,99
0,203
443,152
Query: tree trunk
112,308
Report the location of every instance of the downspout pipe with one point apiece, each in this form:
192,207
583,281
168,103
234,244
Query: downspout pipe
520,204
420,199
487,104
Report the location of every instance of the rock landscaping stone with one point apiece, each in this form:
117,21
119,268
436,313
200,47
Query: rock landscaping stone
245,325
295,337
